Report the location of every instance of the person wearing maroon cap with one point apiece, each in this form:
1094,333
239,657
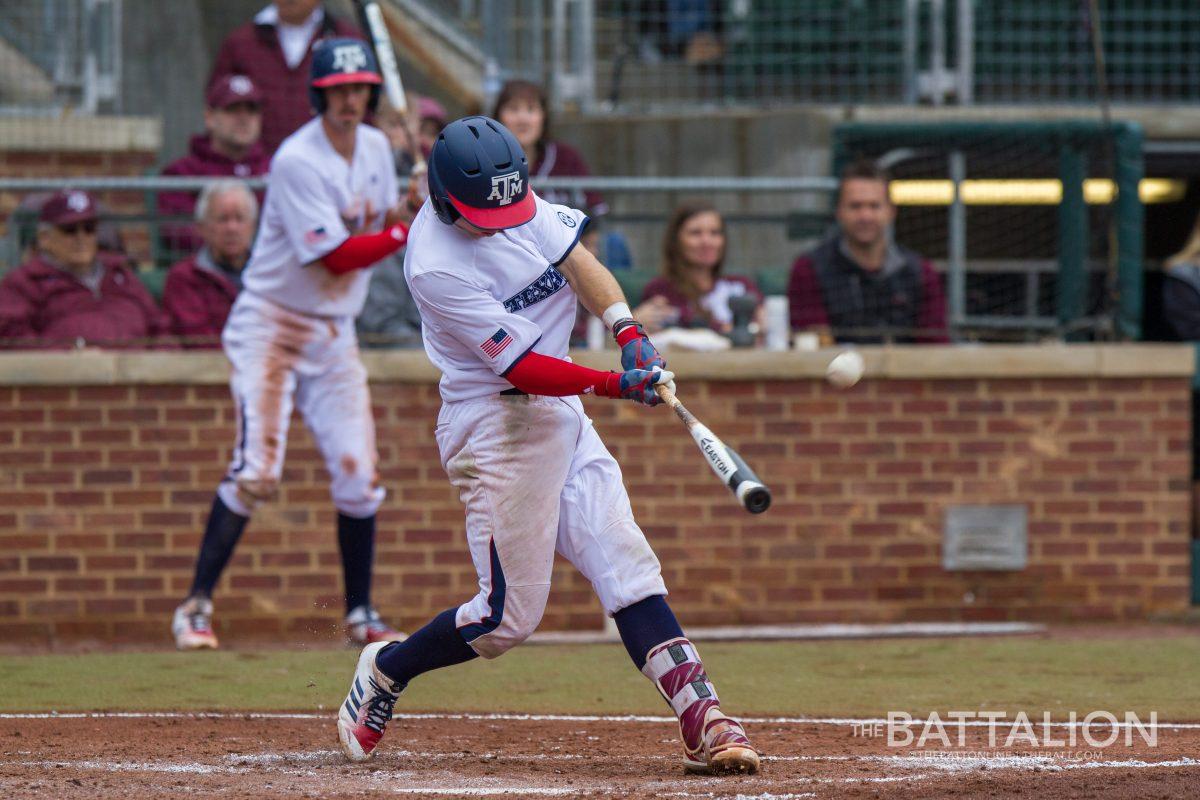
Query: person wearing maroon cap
68,293
275,51
230,147
201,289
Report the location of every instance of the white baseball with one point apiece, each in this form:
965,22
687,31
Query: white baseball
846,369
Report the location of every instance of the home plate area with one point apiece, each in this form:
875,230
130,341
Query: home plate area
432,755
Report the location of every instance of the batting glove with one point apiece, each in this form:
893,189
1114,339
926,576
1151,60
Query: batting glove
637,352
638,384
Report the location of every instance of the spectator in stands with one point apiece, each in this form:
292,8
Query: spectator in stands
229,147
522,108
859,285
1181,289
68,293
201,289
433,118
274,50
23,224
692,292
402,134
1181,308
390,317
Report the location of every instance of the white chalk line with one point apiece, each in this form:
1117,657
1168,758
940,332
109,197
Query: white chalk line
924,766
499,717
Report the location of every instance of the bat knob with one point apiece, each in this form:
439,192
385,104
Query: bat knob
757,500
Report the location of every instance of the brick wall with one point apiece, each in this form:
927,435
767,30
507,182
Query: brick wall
104,490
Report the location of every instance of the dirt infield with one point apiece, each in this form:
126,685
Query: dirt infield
295,755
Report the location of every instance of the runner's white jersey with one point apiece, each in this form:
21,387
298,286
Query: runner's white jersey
314,199
486,302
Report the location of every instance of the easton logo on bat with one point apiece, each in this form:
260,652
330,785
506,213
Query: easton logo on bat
716,457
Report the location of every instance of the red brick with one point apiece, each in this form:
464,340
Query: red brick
23,586
52,564
107,477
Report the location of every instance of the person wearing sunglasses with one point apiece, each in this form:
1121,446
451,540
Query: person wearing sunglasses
68,293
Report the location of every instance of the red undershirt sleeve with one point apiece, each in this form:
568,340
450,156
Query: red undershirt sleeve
535,373
362,251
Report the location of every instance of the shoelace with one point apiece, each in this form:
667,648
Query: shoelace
379,707
199,622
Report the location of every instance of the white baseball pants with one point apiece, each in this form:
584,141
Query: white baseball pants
283,359
535,478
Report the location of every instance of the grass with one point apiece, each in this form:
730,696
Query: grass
842,678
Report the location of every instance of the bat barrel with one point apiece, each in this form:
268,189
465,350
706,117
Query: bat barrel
755,497
758,500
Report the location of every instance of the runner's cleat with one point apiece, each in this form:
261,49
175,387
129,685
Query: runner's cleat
364,716
192,625
364,626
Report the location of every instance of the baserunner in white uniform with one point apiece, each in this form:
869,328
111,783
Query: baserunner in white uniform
332,210
496,272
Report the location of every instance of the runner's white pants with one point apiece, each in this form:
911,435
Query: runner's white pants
535,478
283,359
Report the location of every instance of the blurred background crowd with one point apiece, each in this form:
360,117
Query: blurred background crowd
782,174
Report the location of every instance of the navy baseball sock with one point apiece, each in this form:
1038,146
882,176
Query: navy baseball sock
356,540
437,645
645,624
221,535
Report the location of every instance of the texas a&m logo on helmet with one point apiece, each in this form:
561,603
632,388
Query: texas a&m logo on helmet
506,187
349,58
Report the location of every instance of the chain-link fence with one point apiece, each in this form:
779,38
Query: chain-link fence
654,54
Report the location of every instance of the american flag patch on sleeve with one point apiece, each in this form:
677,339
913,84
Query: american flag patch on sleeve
496,344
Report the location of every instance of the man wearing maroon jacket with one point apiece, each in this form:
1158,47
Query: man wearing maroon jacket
230,147
68,293
275,51
201,289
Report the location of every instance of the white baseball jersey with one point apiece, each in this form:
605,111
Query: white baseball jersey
486,302
314,198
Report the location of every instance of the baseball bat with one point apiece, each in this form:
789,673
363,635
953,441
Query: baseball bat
750,491
371,18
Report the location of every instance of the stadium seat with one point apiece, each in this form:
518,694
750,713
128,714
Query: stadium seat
153,279
773,280
633,283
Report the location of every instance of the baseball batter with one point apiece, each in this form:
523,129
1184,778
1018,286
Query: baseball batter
496,271
332,210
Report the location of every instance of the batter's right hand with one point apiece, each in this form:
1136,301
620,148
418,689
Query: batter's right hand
638,384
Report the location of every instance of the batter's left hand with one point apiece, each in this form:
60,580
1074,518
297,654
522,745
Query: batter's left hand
638,384
637,351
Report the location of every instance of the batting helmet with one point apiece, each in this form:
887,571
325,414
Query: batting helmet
478,171
340,61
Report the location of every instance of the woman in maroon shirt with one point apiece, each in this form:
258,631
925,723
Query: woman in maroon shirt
692,292
521,107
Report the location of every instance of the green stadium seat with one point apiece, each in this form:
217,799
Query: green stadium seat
773,280
154,280
633,283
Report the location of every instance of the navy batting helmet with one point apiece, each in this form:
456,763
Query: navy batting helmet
478,171
341,61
